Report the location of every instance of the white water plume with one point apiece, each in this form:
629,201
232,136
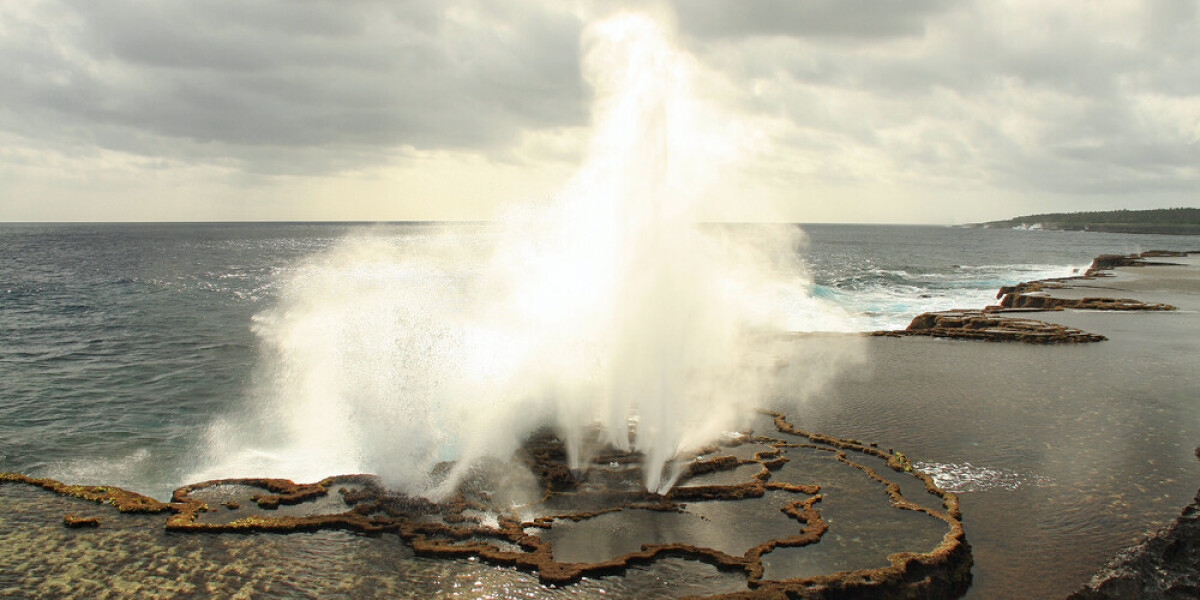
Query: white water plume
606,308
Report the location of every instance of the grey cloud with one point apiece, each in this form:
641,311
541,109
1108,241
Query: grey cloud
291,75
807,18
944,102
931,87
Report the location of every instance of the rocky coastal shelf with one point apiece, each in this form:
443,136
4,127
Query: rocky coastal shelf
995,323
1164,566
456,528
992,327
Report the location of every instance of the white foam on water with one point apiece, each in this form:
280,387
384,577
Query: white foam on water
890,299
965,477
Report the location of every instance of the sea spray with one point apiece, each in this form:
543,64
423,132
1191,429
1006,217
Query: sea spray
355,360
609,311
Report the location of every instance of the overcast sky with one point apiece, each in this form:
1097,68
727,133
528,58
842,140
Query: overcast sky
886,111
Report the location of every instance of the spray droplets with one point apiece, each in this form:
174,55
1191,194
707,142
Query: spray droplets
610,309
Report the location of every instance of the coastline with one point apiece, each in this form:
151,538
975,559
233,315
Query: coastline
1166,563
998,323
1076,440
1071,451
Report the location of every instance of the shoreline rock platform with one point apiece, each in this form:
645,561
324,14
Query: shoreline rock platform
1164,566
924,388
456,529
994,323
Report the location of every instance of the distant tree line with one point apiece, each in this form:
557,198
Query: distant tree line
1160,220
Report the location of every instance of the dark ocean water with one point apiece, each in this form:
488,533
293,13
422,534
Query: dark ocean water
119,343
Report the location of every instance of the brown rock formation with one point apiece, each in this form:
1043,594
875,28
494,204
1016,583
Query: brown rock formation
1107,262
1039,301
1032,296
123,500
989,326
1165,566
447,530
75,522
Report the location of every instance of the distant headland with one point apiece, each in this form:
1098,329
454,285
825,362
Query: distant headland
1174,221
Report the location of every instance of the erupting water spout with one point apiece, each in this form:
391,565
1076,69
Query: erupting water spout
608,309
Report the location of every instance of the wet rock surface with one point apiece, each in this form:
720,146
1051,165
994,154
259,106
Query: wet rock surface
471,525
989,326
1165,566
992,323
1046,302
1107,262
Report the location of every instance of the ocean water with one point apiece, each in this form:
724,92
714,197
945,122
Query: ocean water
120,343
124,348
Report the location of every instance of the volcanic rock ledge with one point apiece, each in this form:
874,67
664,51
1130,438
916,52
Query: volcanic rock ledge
1033,296
454,530
1107,262
986,325
1165,566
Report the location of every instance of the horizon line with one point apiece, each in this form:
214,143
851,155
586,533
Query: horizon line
450,221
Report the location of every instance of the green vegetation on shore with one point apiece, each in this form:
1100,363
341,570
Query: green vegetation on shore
1180,221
